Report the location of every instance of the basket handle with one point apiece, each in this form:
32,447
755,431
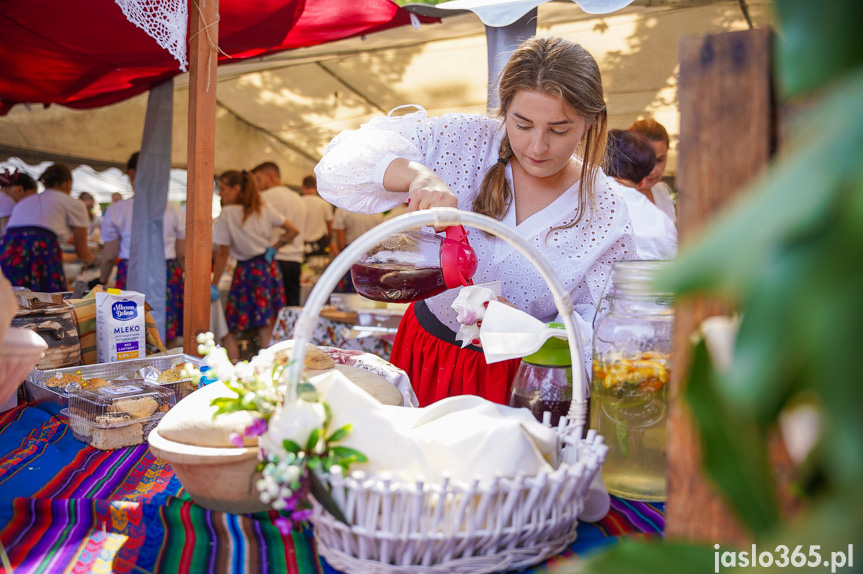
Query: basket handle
441,217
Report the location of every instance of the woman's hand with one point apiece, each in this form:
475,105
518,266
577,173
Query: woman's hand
427,190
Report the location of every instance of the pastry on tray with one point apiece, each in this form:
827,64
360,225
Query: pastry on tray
95,383
172,375
60,380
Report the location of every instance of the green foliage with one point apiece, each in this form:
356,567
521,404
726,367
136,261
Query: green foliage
733,447
790,253
820,43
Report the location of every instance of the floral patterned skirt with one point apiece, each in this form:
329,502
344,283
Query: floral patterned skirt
122,273
257,294
30,257
173,300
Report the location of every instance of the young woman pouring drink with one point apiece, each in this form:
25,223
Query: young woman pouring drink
536,168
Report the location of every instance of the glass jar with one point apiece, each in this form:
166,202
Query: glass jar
543,381
632,341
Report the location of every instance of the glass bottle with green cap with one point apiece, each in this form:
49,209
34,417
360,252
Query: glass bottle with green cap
543,381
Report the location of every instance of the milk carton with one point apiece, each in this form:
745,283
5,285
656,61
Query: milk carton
120,326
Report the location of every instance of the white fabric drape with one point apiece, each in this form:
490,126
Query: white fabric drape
147,273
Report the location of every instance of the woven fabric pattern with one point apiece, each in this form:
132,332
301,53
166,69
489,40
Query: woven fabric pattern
68,507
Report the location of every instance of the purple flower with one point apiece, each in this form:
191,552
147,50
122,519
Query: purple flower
301,515
236,439
284,525
257,428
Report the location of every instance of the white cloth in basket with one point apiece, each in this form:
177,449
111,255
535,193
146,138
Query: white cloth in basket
464,437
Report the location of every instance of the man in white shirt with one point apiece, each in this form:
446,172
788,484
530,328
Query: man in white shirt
319,220
290,206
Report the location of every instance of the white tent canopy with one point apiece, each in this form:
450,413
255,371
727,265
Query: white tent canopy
100,184
287,107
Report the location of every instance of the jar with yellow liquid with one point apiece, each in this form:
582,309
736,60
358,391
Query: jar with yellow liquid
631,369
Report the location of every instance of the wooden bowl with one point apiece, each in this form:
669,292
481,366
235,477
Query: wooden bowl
216,478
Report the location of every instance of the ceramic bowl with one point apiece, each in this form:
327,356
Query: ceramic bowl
216,478
19,353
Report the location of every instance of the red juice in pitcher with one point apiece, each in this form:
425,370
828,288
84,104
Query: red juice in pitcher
397,283
537,405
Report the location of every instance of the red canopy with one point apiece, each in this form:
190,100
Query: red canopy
86,54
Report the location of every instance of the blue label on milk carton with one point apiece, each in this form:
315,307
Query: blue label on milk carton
124,310
127,346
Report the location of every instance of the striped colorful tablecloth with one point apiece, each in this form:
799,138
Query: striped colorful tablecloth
66,507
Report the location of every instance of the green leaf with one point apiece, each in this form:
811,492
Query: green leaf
734,451
782,203
226,405
291,446
653,557
340,433
322,495
307,392
819,43
345,452
314,437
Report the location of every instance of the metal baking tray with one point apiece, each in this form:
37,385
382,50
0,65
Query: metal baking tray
53,400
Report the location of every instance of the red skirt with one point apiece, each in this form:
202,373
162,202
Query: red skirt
440,368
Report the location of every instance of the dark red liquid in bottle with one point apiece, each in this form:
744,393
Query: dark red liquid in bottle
394,283
538,406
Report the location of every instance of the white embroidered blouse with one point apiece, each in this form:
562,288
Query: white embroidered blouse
460,149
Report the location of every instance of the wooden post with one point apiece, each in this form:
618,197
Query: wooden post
726,135
203,57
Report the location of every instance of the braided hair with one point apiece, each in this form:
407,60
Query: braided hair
566,70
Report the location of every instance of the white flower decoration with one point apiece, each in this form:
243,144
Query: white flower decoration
294,421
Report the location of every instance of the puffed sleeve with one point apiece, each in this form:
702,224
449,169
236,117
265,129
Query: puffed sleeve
351,173
222,230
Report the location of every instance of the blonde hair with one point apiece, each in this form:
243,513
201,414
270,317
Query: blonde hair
566,70
249,197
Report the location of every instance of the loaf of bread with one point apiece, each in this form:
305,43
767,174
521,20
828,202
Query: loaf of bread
191,421
316,359
378,387
114,438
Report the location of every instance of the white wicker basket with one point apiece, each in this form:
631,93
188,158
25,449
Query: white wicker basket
506,524
454,528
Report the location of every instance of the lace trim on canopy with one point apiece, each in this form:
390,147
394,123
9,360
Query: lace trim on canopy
163,20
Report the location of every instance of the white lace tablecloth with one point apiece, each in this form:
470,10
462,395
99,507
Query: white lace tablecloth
329,333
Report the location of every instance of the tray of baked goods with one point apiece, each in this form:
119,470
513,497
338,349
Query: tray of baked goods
117,415
50,389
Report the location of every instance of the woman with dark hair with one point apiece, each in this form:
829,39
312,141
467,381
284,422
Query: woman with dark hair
14,186
243,231
536,168
656,190
630,162
30,251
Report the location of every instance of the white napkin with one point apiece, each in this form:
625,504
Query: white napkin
508,333
464,437
470,306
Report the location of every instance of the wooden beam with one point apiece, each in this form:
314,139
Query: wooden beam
726,137
203,57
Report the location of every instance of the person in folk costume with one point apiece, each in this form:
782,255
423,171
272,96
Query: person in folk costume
244,231
536,168
30,253
287,203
